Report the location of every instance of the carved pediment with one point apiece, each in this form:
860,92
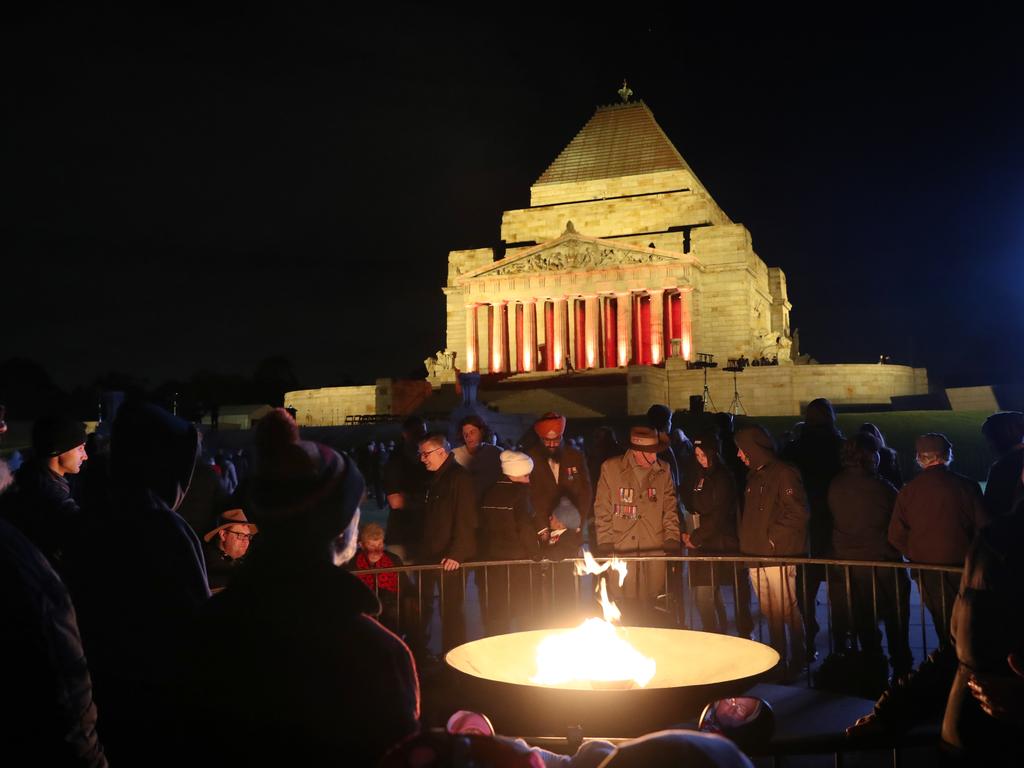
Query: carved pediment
573,252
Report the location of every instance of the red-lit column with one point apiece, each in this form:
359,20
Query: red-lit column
686,324
609,352
511,330
549,335
559,339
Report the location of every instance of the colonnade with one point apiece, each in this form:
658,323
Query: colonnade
606,330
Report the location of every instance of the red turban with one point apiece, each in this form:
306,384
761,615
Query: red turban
550,426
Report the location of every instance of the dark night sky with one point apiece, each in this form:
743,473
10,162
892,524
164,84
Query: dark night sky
189,192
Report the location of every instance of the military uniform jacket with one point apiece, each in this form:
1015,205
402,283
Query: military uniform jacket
775,512
634,513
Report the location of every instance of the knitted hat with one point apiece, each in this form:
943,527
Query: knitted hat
299,483
567,514
647,439
54,435
229,518
550,426
515,464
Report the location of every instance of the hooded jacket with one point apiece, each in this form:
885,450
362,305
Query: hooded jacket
138,577
775,513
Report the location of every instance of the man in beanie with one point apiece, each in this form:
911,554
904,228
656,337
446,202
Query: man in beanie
41,504
507,533
635,514
936,517
288,666
773,523
449,535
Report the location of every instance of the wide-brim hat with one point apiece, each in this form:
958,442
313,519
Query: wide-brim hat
229,518
647,440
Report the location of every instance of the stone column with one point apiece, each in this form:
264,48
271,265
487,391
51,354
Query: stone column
513,344
570,352
483,335
557,344
499,340
530,335
657,325
590,348
624,332
686,330
471,348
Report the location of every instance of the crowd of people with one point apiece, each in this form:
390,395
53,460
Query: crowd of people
111,547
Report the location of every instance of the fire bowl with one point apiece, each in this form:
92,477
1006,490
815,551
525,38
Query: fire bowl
492,675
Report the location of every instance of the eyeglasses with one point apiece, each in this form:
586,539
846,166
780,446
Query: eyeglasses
427,453
243,536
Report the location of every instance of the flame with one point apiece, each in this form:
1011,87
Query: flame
595,651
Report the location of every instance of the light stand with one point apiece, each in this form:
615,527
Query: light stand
736,406
704,361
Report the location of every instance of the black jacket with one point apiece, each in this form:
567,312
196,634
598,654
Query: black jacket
47,715
506,523
775,512
138,578
41,507
861,506
715,507
1003,489
450,515
288,667
816,454
573,483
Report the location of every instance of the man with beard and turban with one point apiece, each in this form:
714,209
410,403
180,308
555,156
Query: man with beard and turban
559,481
559,471
774,524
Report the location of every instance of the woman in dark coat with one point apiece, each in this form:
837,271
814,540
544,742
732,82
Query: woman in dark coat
715,511
506,533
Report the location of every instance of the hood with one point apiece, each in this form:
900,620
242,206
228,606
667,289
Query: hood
820,415
757,443
152,450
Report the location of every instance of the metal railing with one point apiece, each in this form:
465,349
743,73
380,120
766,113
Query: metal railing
849,604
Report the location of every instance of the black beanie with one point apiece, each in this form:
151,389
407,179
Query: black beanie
54,435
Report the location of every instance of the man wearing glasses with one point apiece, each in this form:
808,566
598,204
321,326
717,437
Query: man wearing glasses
226,546
449,534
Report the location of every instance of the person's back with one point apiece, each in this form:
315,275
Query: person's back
298,672
936,516
861,505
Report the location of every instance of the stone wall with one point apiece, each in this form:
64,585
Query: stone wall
612,218
329,406
780,390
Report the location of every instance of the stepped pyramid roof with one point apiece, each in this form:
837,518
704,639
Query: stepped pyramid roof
619,140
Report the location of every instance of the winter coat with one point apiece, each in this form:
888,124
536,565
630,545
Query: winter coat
635,514
715,511
775,512
506,523
450,516
47,714
405,474
936,516
138,578
861,505
41,506
1003,489
573,484
987,624
816,454
484,465
288,667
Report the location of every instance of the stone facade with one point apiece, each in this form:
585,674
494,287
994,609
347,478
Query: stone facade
621,272
610,267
